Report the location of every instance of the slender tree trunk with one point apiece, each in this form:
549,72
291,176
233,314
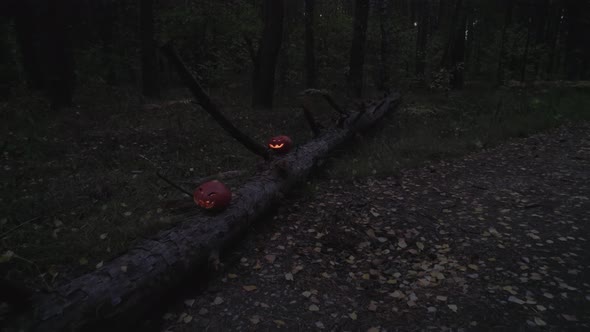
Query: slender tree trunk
59,58
458,68
542,22
357,51
502,56
553,38
310,63
268,52
149,56
421,37
28,41
107,19
386,29
577,49
525,54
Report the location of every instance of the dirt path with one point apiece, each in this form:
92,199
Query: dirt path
498,240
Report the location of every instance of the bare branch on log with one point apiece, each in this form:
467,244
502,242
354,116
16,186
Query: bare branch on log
326,95
120,292
179,188
250,48
205,101
218,176
313,125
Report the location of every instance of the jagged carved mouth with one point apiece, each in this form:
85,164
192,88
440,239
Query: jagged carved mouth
276,146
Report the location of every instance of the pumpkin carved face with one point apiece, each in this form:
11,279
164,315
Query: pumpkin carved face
280,144
212,195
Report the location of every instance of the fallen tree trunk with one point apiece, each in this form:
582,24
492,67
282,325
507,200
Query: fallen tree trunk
128,286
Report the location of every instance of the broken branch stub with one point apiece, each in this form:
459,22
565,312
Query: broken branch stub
207,104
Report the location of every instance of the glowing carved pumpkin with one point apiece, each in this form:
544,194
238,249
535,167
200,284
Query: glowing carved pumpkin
280,144
212,195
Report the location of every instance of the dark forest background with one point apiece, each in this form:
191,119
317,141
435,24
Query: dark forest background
57,46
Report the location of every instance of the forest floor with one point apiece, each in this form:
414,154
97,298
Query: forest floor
78,187
496,240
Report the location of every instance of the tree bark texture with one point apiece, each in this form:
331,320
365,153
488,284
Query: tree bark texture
357,51
149,55
310,62
386,30
123,289
268,52
421,37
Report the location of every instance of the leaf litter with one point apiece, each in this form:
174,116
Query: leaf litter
401,251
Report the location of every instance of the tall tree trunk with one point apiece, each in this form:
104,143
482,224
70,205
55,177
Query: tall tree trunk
27,37
59,57
458,67
149,56
553,37
454,53
268,52
525,54
310,63
421,37
542,22
502,56
386,29
357,51
576,43
107,17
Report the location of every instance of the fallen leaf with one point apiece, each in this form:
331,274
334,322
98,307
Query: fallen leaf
453,307
420,245
373,306
99,265
570,318
232,276
397,294
189,302
187,319
515,299
103,236
373,329
270,258
306,293
539,321
319,325
473,267
279,322
255,319
218,300
7,256
249,288
289,276
441,298
402,243
314,307
353,315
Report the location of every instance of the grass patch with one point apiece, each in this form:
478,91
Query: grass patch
431,127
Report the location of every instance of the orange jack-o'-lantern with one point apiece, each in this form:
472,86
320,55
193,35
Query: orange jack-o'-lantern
280,144
212,195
